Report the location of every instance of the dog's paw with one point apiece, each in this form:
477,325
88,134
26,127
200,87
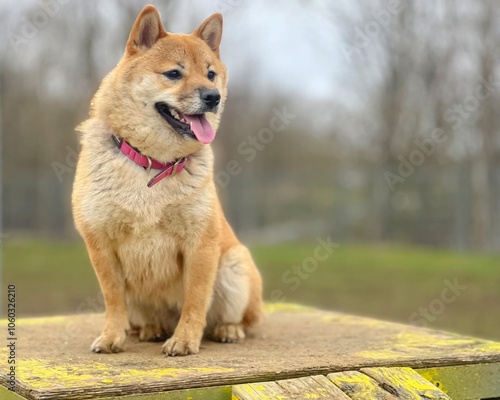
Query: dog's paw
178,346
228,333
150,333
107,343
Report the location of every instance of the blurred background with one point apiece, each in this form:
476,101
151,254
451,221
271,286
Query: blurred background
369,129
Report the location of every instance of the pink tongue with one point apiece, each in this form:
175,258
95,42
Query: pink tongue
200,127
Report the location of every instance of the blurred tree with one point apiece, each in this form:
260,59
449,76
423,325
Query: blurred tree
366,82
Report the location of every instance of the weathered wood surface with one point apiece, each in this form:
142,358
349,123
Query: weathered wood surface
312,387
309,387
261,391
387,383
54,361
405,383
359,386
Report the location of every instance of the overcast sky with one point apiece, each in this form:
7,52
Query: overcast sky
294,49
284,45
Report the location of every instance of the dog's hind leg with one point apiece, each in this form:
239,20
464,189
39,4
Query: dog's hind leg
236,303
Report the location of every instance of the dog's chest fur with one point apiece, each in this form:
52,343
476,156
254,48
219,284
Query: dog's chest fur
150,228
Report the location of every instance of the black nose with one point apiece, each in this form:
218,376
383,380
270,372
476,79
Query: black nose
210,97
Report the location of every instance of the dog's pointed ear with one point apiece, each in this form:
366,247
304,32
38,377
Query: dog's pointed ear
210,31
146,31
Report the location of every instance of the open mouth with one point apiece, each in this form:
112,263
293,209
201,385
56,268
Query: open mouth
193,126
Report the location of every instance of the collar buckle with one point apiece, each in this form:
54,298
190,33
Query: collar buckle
176,164
118,141
150,163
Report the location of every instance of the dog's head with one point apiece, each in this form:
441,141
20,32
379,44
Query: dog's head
167,93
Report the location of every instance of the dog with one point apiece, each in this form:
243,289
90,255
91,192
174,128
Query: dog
144,199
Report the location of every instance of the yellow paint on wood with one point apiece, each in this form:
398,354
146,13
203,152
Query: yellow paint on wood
259,391
310,387
212,393
320,387
352,320
53,358
359,386
446,340
426,344
39,375
287,307
404,382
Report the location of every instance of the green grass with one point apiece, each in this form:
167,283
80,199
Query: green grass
384,281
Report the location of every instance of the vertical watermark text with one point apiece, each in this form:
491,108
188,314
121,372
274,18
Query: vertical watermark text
11,336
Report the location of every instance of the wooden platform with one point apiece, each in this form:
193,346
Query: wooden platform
299,353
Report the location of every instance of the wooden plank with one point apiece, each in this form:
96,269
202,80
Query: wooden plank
359,386
324,385
293,387
260,391
312,387
215,393
463,382
405,383
53,359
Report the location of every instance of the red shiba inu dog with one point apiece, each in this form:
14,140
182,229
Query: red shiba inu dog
144,198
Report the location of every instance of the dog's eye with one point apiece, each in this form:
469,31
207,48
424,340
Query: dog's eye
173,74
211,75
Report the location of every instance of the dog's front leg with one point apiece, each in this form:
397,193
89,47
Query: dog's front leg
200,270
107,268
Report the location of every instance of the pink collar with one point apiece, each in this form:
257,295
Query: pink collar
167,169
